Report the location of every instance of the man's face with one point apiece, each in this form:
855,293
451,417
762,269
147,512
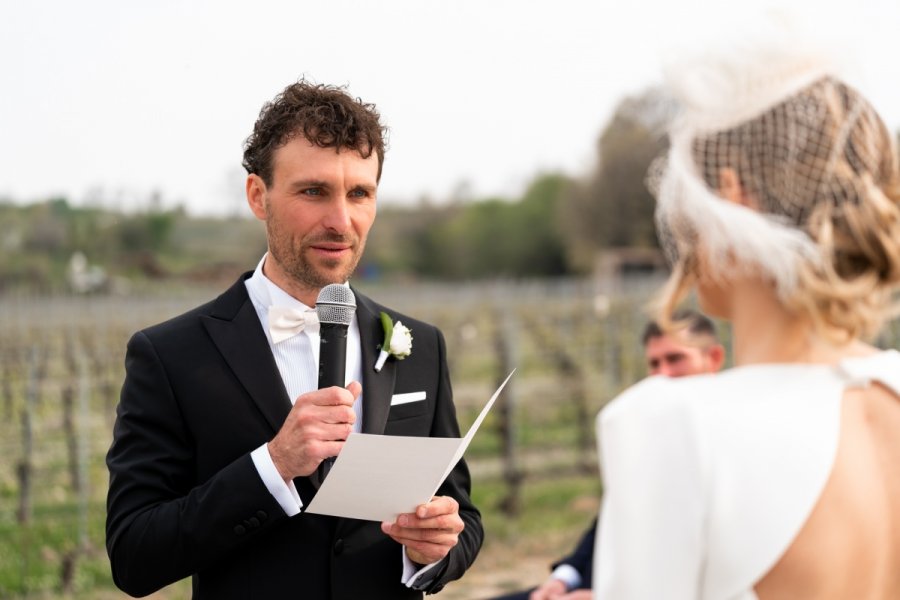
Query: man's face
676,355
318,212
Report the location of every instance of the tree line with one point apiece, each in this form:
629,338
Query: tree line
556,227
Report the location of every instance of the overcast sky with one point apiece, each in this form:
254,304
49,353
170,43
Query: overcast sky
115,99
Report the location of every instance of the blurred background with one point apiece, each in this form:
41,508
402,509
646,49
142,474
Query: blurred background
513,214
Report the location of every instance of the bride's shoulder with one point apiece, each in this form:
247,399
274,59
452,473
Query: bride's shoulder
655,400
698,394
658,392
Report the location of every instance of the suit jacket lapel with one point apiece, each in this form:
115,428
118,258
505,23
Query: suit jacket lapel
236,331
377,387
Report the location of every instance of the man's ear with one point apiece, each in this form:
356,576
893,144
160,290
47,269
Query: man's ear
256,196
716,354
731,189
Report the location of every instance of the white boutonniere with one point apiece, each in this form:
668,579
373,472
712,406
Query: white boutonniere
397,341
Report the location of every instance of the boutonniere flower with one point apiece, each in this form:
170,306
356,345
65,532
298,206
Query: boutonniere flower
397,341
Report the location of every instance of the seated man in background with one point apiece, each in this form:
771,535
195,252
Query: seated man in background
693,350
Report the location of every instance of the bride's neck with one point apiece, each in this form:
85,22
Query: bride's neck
767,332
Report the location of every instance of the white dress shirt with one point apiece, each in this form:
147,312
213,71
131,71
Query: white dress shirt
297,359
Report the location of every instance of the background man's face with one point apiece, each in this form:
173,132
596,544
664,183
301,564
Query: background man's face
677,355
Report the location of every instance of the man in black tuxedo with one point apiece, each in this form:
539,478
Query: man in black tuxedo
693,350
220,428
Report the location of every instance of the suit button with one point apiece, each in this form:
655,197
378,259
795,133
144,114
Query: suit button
240,530
262,515
339,546
253,522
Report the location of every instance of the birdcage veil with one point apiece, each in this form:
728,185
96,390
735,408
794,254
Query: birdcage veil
772,109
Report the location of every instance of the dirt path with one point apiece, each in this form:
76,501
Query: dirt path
486,580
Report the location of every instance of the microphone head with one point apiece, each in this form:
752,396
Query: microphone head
336,304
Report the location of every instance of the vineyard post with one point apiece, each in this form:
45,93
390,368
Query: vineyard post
505,345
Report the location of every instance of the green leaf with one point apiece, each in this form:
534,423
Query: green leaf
388,325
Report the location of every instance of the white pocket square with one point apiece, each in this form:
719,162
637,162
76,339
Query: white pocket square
407,398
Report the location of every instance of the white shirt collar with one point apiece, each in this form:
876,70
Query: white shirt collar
266,293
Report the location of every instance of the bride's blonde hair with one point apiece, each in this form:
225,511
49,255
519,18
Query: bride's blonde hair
821,162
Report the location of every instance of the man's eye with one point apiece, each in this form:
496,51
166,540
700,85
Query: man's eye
312,192
359,193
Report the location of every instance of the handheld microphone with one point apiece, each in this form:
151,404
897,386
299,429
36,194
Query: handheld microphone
335,308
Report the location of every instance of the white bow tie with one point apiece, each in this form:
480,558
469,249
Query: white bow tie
286,321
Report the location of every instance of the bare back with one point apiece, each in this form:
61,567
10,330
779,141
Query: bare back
850,545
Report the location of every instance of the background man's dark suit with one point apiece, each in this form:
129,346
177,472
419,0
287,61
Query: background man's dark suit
581,559
201,392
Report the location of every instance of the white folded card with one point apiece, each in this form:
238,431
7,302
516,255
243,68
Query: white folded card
407,398
377,477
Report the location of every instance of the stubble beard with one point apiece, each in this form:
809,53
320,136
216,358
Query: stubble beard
292,255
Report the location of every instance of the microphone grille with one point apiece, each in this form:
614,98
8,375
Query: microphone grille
336,304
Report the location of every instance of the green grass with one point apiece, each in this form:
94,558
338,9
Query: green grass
32,555
547,506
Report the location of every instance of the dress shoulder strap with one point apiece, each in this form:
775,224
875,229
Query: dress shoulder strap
883,367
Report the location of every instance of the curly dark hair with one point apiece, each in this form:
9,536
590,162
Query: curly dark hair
325,115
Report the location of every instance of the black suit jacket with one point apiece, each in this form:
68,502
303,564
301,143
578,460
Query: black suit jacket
201,392
582,558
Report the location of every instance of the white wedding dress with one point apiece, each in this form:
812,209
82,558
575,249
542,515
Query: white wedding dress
708,479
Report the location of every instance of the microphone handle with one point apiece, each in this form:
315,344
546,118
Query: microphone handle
332,354
332,369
